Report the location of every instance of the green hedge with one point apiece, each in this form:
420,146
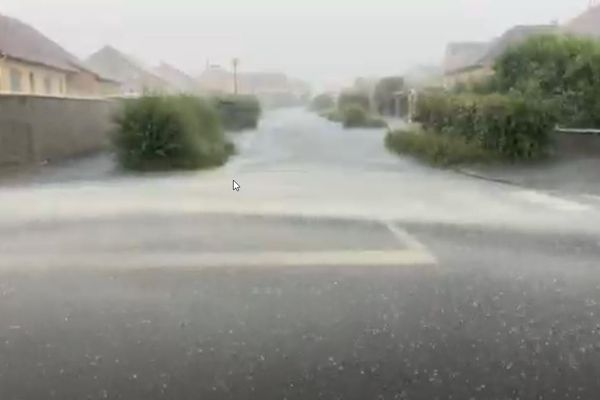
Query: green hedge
322,102
508,125
169,132
238,112
437,149
352,98
355,116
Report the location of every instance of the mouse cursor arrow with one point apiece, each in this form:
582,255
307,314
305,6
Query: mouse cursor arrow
236,186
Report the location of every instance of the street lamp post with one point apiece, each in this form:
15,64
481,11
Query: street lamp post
235,63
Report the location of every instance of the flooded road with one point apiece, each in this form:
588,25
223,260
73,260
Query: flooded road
338,271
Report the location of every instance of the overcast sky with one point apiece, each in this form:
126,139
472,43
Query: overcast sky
318,40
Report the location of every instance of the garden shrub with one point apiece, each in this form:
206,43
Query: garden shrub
322,102
508,125
355,116
353,98
169,132
437,149
561,70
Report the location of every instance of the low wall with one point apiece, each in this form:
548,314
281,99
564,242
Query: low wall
578,144
36,128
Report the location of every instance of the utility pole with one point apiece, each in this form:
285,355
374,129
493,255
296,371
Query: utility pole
235,63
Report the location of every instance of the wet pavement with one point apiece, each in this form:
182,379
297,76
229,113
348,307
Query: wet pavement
338,271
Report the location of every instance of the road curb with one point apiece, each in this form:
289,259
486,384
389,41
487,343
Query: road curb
481,176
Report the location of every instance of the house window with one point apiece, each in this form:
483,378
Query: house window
48,85
15,81
31,83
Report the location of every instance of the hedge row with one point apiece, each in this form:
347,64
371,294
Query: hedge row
508,125
170,132
436,149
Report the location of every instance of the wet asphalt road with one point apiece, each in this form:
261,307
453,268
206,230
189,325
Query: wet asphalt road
498,307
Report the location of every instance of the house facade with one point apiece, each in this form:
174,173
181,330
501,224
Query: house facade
32,64
19,77
467,63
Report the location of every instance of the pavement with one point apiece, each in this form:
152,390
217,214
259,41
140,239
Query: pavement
566,175
338,271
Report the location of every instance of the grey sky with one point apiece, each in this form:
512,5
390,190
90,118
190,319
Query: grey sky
316,40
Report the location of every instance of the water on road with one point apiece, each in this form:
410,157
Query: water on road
338,271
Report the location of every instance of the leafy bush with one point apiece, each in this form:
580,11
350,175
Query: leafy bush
356,117
510,126
238,112
332,115
437,149
169,132
322,102
562,70
384,94
352,98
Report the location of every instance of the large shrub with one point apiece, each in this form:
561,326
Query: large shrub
238,112
385,93
353,98
563,71
322,102
166,132
510,126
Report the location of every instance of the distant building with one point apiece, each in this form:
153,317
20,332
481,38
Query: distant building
272,88
178,80
470,62
586,24
30,63
135,79
216,79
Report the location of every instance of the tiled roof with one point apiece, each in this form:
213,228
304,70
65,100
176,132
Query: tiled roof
176,78
21,41
117,66
513,37
463,54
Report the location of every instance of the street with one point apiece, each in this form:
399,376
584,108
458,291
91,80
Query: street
337,271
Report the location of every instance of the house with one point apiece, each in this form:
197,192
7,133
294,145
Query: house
30,63
462,62
471,62
135,79
177,79
585,24
216,79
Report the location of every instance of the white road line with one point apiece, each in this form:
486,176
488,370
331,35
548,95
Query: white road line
199,261
549,201
409,241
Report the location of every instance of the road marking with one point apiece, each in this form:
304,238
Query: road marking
409,241
547,200
166,261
